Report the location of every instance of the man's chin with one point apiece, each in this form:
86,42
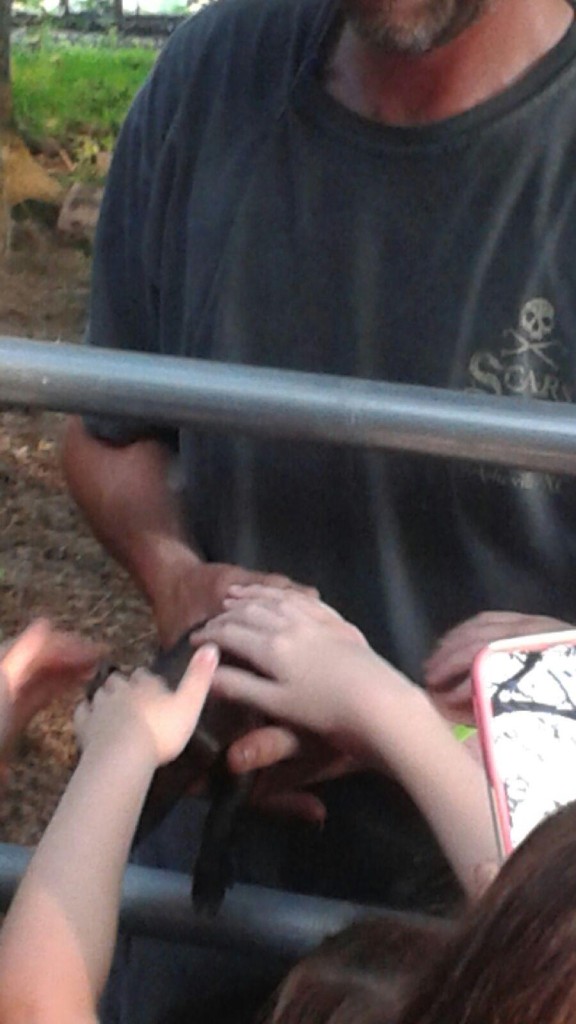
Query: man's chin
437,23
394,38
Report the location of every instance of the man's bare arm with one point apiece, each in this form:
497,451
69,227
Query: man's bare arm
125,494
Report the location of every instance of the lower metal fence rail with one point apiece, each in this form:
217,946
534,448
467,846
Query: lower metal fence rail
157,903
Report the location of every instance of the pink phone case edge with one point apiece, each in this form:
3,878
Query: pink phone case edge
483,711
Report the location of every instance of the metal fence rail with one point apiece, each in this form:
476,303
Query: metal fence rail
527,435
507,431
157,903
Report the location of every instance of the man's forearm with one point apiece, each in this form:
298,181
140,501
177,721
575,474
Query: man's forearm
125,494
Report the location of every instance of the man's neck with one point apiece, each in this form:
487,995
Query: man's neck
487,58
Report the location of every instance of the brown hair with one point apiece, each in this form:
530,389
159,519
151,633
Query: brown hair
515,960
511,960
363,974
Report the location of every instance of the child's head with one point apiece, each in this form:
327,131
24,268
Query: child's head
362,975
515,960
512,959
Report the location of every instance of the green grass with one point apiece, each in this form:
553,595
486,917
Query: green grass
70,92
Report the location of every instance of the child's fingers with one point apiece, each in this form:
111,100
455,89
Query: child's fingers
51,657
236,684
262,614
111,685
230,632
197,679
142,677
81,716
21,656
260,591
68,653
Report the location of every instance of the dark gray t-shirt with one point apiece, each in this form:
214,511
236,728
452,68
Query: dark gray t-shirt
250,218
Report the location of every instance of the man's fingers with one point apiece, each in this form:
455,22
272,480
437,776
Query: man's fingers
447,672
457,649
457,705
456,652
305,770
300,805
262,748
454,655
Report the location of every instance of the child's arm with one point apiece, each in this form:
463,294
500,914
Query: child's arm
58,938
318,673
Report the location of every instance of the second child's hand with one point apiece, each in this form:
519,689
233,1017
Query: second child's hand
311,660
59,934
317,673
40,665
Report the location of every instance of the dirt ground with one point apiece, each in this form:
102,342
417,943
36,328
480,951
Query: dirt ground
49,563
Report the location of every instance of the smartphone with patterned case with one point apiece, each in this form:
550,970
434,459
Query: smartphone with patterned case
525,701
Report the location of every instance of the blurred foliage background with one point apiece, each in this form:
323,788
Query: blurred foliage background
69,70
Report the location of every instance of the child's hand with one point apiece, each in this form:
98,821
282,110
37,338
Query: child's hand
142,708
42,664
312,661
447,670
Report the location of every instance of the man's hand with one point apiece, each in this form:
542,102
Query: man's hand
289,762
192,592
40,665
143,710
447,670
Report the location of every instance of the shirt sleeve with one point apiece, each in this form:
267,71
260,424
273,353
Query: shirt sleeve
124,298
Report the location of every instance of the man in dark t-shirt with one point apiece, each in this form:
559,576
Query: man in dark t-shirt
385,191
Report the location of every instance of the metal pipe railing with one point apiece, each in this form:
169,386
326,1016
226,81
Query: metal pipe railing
167,390
157,903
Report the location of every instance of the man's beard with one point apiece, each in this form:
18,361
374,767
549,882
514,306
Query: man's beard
429,24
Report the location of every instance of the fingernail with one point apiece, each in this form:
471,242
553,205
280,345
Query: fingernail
235,588
211,652
243,759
